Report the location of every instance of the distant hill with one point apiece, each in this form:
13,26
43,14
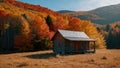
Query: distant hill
65,11
103,15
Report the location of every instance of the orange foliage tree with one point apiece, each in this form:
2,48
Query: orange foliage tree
39,27
22,40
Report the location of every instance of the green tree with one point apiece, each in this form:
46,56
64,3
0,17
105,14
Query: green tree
109,40
48,20
107,27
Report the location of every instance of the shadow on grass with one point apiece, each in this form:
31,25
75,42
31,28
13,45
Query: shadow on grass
41,56
49,55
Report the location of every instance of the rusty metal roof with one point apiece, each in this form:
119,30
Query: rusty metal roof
75,35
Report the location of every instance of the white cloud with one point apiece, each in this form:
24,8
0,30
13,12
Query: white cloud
92,4
108,2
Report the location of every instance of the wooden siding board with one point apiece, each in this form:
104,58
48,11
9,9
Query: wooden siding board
59,44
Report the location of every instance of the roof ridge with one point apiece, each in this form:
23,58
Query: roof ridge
69,30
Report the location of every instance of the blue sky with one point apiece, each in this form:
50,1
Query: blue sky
75,5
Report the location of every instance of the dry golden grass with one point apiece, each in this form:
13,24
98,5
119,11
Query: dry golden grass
45,59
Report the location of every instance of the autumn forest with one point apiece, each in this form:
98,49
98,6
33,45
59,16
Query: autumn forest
22,26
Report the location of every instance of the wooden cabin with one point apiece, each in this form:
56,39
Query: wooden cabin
65,41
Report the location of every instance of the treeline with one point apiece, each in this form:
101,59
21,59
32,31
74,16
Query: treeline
111,32
27,27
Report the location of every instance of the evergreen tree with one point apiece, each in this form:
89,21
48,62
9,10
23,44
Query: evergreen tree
49,20
109,40
117,39
113,40
107,27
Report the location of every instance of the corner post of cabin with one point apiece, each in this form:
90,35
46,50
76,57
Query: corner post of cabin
94,47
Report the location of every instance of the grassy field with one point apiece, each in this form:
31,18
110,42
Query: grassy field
46,59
